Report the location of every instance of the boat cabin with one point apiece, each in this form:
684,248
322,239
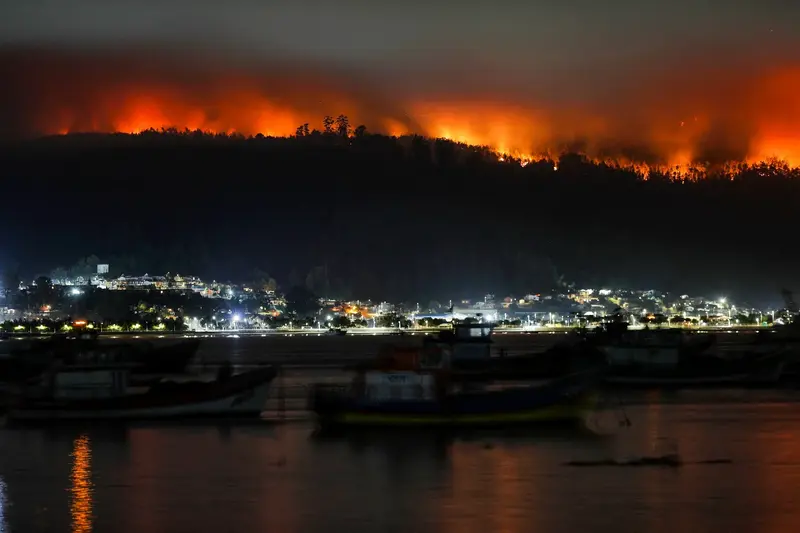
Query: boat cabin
403,385
406,373
412,358
90,383
414,373
465,342
649,347
82,382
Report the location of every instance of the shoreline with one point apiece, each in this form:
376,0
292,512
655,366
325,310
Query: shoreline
389,332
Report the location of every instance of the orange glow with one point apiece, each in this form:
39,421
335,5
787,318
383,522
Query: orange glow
79,323
665,121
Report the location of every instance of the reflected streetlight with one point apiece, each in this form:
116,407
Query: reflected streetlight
81,489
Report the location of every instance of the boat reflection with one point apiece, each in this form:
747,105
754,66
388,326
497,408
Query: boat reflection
81,490
395,437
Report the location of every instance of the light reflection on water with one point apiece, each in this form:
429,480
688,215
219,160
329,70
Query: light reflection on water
81,490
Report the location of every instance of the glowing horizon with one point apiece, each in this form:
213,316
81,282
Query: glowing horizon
657,122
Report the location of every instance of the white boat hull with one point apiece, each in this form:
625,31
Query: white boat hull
247,403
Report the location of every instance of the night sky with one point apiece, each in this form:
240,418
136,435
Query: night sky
518,37
528,43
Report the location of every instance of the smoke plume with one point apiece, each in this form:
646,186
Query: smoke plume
663,111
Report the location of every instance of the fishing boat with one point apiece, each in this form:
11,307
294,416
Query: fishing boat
144,357
94,391
651,346
474,357
701,372
668,359
418,387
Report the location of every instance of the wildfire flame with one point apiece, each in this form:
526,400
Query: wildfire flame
63,93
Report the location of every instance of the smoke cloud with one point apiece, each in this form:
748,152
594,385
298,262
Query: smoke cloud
675,109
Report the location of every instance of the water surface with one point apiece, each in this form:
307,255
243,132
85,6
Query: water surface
267,477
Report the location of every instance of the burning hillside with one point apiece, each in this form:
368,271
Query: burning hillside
660,119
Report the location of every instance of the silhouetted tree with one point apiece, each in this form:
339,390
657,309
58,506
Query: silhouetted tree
342,126
392,320
327,125
659,319
340,321
360,131
302,130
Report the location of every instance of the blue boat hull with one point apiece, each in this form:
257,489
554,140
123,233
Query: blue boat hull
566,400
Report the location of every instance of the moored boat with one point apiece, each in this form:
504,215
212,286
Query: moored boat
474,358
705,372
649,346
418,387
667,359
95,392
392,402
146,358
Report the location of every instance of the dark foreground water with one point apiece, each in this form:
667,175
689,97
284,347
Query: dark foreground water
264,477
